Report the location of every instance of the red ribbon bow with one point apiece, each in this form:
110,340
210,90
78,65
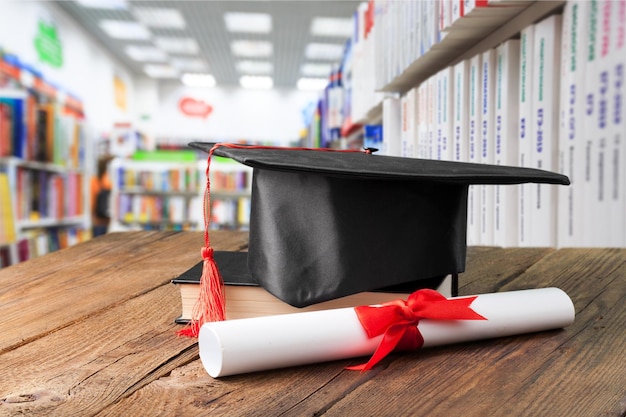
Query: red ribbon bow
397,321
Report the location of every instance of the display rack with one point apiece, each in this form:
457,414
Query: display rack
168,194
42,165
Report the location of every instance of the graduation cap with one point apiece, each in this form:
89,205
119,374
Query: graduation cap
325,224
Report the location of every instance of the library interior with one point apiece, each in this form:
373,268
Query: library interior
107,95
335,158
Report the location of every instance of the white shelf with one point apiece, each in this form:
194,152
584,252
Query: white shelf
462,43
50,222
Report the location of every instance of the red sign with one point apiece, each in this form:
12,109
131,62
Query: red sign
194,108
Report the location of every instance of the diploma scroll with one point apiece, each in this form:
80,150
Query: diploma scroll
248,345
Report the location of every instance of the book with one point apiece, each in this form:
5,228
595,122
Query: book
473,197
407,139
591,86
613,55
444,104
245,298
487,140
545,127
525,126
571,135
460,114
431,104
7,219
506,151
618,172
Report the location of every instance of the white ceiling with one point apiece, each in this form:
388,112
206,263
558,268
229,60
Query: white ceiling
204,22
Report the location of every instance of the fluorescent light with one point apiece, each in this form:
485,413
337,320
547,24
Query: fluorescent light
177,45
256,82
160,17
189,64
160,71
312,84
332,26
251,49
124,29
316,69
248,22
325,51
198,80
145,53
255,67
103,4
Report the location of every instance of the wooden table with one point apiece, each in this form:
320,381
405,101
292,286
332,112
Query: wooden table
89,331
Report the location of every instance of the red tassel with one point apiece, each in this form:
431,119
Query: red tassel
211,304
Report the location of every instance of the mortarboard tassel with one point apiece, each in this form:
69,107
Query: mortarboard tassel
211,303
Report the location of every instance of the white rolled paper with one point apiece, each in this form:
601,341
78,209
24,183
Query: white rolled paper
248,345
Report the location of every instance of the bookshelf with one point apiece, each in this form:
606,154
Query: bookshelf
42,165
165,191
568,57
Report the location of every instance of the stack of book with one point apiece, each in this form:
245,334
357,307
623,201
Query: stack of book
245,298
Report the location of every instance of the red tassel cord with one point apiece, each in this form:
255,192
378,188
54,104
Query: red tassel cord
211,304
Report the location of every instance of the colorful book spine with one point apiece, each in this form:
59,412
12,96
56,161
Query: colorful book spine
506,150
487,142
7,219
422,117
617,128
544,152
571,134
407,147
600,201
431,125
590,121
444,119
460,113
475,120
526,124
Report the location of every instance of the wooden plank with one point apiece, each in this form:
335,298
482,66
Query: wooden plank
488,269
550,373
505,376
47,293
82,368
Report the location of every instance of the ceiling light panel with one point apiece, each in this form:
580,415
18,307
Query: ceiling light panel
324,51
186,46
332,26
251,49
124,29
160,17
189,64
198,80
248,22
160,71
256,82
255,67
316,70
144,53
103,4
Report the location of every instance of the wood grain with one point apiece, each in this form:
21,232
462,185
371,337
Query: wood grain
50,292
106,345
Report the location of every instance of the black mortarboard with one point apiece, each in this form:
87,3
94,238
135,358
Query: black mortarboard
329,224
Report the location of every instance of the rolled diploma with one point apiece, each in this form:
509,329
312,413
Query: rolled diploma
248,345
